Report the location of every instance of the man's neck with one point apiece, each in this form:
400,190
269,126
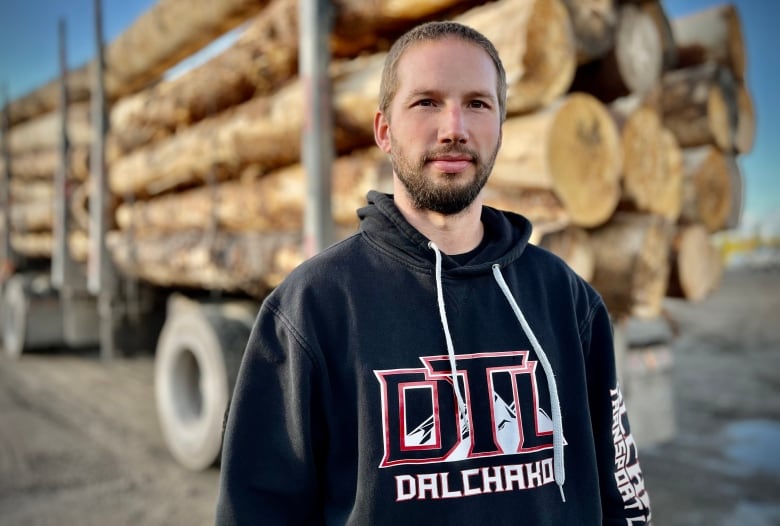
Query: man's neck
453,234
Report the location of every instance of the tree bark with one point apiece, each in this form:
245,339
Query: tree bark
263,57
570,147
632,263
43,164
699,107
573,245
656,11
248,262
161,37
632,66
713,34
707,187
43,132
594,23
272,202
264,132
696,267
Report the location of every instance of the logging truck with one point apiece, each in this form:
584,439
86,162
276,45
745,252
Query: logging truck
72,277
141,211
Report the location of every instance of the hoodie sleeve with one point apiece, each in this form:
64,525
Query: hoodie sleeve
269,467
624,499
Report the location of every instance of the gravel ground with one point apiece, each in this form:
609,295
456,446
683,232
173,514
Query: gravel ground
80,443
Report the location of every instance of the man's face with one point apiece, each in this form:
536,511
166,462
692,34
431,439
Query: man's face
446,124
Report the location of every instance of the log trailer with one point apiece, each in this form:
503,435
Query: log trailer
206,204
198,334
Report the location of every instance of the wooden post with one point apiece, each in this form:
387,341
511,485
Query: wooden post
101,275
6,256
317,135
63,268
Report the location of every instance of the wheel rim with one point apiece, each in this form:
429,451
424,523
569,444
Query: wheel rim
186,387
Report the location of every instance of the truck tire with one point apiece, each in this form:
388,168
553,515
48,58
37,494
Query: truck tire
16,307
196,363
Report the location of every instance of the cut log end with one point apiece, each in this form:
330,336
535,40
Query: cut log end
585,154
632,267
573,246
696,266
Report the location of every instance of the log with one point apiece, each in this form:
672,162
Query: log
699,106
272,202
541,207
264,132
43,132
711,35
32,244
642,153
251,133
632,263
161,37
31,191
570,147
632,66
594,23
707,190
669,199
652,160
696,266
536,43
263,57
43,164
361,26
32,216
573,245
78,245
248,262
656,11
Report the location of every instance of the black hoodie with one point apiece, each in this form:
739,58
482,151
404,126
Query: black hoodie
345,410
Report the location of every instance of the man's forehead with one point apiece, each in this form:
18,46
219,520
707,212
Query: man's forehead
446,55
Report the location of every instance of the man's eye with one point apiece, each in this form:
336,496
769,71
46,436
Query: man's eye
425,102
478,104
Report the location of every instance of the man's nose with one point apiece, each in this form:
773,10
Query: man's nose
453,126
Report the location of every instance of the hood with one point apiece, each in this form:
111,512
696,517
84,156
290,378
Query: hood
384,225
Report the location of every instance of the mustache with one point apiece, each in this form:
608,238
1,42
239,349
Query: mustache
450,149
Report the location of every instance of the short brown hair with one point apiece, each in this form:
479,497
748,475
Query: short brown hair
432,31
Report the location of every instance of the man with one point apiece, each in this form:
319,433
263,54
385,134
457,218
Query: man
434,368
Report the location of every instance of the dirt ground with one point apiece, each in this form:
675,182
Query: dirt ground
80,443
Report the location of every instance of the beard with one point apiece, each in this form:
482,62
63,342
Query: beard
449,196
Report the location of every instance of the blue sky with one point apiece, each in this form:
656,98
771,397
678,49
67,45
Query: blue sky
28,58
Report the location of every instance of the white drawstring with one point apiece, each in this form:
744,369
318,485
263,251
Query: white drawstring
447,337
558,466
557,420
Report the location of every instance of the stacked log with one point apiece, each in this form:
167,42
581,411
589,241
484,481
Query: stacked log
213,168
34,159
620,142
680,140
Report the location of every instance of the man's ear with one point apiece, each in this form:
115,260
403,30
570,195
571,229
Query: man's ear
382,132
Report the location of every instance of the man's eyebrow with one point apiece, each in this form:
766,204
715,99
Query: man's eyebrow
433,93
